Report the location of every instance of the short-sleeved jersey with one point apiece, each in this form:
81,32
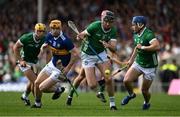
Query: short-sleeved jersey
60,47
31,47
95,34
146,59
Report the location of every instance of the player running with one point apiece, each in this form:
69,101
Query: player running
99,35
143,60
26,51
63,54
80,78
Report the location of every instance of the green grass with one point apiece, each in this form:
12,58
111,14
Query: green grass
88,105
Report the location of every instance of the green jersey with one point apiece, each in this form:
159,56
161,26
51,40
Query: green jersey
146,59
95,34
31,47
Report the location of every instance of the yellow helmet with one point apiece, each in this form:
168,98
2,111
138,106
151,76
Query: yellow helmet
55,24
40,26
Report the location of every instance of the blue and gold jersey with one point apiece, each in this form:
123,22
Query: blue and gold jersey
60,47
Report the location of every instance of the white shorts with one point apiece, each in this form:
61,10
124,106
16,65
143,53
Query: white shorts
53,72
92,60
148,73
28,66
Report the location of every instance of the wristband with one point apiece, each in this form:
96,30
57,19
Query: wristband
142,47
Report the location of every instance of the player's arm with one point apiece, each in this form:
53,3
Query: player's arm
17,48
111,45
88,31
45,49
132,58
115,60
74,58
82,35
154,46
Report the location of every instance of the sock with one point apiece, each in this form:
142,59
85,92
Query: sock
58,89
71,93
37,102
112,102
25,94
101,85
130,93
146,102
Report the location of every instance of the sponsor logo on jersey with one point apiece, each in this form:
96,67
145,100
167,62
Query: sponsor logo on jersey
98,34
58,45
37,45
30,45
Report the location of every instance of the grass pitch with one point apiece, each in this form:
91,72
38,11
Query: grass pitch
88,105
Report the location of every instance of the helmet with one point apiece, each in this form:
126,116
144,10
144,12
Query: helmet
55,24
40,26
139,19
107,15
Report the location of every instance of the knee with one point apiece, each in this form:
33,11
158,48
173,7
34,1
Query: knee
144,91
42,87
126,79
92,86
37,83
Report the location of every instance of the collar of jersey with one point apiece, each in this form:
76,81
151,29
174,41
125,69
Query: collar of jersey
104,30
35,38
58,36
139,35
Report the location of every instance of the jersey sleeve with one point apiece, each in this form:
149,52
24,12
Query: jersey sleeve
69,44
114,33
23,39
150,36
47,37
90,29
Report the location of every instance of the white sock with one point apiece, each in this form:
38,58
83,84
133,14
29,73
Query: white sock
24,95
38,103
112,102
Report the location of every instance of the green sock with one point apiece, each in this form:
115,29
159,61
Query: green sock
71,92
101,85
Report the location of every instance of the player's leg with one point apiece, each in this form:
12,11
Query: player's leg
149,75
76,84
131,75
109,83
100,93
146,94
26,93
91,78
43,75
50,85
31,77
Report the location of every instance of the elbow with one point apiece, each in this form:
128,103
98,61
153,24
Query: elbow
157,47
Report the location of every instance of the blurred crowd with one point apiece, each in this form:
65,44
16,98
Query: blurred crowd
19,17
